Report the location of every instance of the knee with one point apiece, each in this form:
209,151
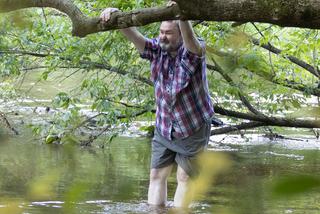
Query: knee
156,175
182,176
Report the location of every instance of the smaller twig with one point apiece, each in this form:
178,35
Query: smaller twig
242,97
316,133
274,136
7,124
93,137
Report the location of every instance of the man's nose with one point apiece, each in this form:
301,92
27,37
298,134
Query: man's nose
162,36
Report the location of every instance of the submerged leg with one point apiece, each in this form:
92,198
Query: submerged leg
182,178
157,194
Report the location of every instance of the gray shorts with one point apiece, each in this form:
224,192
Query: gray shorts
181,151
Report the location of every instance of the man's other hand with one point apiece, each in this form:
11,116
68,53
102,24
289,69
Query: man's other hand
170,3
106,14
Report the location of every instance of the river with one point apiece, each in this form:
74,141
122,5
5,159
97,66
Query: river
38,178
41,178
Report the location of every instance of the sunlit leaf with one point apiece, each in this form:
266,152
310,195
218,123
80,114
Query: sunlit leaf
43,188
10,206
211,164
307,112
75,193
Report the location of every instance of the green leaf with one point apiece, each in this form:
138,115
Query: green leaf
51,138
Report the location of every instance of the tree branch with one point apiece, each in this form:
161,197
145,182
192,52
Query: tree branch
298,13
242,126
242,97
293,59
79,20
270,121
89,64
7,124
286,83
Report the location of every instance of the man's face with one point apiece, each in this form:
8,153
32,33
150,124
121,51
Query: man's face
170,37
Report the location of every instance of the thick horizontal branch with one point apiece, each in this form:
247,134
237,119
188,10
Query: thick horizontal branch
79,20
242,126
298,13
83,25
270,121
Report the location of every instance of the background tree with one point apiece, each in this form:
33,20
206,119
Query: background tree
258,73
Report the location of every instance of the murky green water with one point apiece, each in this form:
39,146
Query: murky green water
65,179
36,178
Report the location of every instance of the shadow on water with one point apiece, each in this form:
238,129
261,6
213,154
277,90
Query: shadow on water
37,178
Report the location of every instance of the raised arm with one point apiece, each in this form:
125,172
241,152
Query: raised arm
132,34
189,38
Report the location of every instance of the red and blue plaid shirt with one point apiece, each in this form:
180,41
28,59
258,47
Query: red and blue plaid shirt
181,90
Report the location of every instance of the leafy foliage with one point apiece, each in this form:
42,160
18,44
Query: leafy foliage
109,70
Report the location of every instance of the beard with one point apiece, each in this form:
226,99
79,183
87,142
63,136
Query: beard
166,46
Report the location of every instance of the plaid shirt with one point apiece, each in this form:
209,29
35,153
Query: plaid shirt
181,90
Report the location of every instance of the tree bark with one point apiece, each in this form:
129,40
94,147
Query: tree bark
234,128
270,121
294,13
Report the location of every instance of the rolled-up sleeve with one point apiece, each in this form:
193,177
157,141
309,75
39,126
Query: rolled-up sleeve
191,61
151,49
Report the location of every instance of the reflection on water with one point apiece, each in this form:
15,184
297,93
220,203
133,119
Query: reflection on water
63,179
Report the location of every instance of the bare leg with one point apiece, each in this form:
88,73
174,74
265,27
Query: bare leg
182,178
157,194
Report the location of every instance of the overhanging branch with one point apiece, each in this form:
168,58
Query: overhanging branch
298,13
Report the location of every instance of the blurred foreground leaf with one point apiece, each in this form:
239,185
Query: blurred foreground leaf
21,19
211,164
75,194
43,188
10,206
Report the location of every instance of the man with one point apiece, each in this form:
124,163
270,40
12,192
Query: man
184,108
